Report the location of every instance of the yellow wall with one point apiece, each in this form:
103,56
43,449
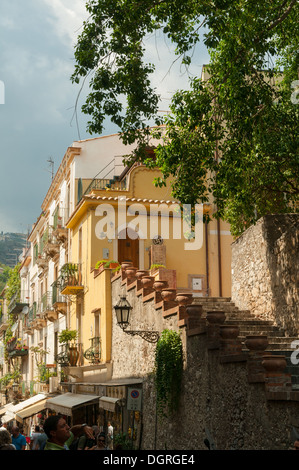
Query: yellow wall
97,289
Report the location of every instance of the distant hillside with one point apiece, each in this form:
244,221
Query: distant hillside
11,246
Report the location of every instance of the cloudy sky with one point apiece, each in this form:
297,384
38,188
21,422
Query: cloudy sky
37,39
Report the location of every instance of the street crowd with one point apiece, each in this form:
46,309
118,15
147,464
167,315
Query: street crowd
57,435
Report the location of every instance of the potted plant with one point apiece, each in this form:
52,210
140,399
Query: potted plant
154,267
100,263
68,337
112,264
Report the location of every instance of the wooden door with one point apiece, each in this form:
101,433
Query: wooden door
128,249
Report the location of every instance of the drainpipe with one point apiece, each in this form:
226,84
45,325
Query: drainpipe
219,258
207,259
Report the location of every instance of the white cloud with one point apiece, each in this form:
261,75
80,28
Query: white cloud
68,17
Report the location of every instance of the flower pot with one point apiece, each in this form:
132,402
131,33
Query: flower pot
140,273
184,298
274,363
229,331
159,285
131,272
126,264
168,294
256,342
194,310
216,317
147,282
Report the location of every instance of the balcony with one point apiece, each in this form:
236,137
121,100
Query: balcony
16,347
18,302
60,231
42,261
70,279
28,326
49,245
59,302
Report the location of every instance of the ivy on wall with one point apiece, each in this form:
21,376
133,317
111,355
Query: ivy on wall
168,372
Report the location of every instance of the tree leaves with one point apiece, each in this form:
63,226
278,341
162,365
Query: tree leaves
231,140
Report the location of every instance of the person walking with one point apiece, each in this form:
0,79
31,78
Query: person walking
110,436
60,435
18,440
34,437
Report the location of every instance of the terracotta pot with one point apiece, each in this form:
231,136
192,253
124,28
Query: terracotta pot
140,273
73,356
168,294
274,363
216,317
126,264
194,310
184,298
229,331
256,342
147,281
159,285
131,272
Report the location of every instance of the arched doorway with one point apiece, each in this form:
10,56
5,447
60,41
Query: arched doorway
128,246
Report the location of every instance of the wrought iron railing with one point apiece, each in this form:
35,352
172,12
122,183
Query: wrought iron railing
70,276
57,297
93,354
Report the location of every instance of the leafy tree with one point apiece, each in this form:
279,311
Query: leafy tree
231,139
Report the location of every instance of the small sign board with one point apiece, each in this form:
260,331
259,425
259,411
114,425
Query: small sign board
134,399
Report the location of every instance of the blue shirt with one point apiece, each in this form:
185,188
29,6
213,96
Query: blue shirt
19,441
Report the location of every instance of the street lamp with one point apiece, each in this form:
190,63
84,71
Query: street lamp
122,310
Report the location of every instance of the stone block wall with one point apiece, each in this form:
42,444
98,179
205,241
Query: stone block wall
265,270
217,398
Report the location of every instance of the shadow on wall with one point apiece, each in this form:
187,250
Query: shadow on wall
281,235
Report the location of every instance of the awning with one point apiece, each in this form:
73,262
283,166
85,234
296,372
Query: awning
5,408
67,402
12,411
109,403
31,410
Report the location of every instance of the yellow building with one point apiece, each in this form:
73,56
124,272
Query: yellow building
130,219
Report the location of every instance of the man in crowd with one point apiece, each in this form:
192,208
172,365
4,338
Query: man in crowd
60,435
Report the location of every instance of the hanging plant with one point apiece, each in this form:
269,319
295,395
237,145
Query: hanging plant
168,372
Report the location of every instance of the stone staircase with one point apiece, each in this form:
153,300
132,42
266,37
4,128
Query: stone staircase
279,342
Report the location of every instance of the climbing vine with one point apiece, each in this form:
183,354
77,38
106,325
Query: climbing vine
168,372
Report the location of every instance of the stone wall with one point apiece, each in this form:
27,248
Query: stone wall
265,270
217,398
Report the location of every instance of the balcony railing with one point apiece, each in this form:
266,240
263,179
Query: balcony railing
48,243
93,354
18,302
70,279
60,218
16,347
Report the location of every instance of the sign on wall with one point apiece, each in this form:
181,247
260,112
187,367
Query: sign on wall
134,399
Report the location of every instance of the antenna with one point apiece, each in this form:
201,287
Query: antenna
51,161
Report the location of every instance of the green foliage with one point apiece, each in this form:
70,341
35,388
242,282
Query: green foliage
98,264
156,266
122,440
67,336
231,140
13,283
8,379
4,276
168,372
